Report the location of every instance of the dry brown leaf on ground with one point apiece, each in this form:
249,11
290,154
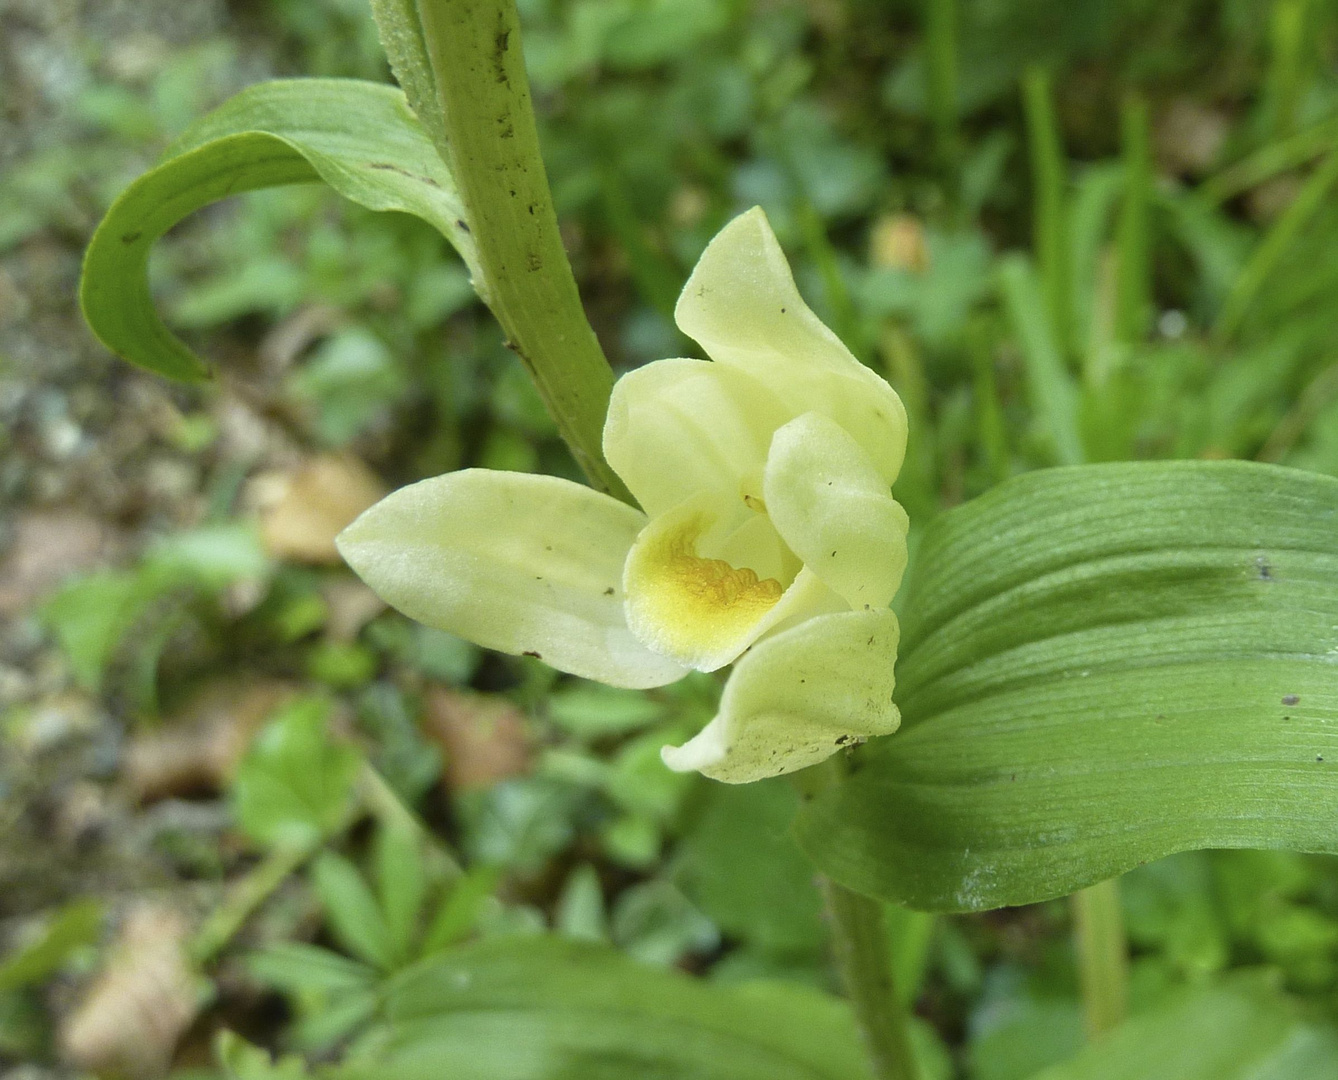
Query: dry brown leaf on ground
302,510
199,749
351,605
48,546
484,738
140,1004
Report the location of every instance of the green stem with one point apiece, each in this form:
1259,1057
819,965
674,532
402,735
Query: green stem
492,146
1103,955
845,316
243,899
859,944
863,956
1049,190
1133,289
941,83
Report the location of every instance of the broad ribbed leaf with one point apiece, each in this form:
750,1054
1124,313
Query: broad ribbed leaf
1101,666
548,1009
1245,1030
359,137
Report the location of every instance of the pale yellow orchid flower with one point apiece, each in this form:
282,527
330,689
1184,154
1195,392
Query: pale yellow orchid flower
769,537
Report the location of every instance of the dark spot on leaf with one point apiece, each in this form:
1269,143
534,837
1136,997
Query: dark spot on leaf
131,237
530,652
782,311
1013,777
608,591
1291,699
535,262
1265,570
460,224
386,166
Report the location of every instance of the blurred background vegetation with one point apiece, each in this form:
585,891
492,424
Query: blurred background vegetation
1064,231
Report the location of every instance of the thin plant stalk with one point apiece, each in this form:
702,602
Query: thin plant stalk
860,948
941,80
1133,246
1285,81
245,897
863,956
492,146
1049,212
845,317
1103,956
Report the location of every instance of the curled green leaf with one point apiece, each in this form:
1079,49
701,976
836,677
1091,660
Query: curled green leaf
358,137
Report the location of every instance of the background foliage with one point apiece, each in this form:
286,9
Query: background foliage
235,793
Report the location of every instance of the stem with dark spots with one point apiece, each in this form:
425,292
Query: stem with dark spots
492,147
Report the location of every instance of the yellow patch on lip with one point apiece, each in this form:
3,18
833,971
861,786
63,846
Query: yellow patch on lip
696,610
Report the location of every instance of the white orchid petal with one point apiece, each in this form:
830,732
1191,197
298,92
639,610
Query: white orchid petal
799,697
513,562
834,510
742,307
677,427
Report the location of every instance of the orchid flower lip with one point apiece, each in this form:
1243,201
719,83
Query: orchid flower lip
767,536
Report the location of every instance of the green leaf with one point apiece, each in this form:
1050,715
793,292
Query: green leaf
547,1009
359,137
459,910
302,968
1052,391
401,885
774,904
91,615
77,924
581,913
1102,666
240,1060
653,922
295,784
1244,1030
355,918
592,711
